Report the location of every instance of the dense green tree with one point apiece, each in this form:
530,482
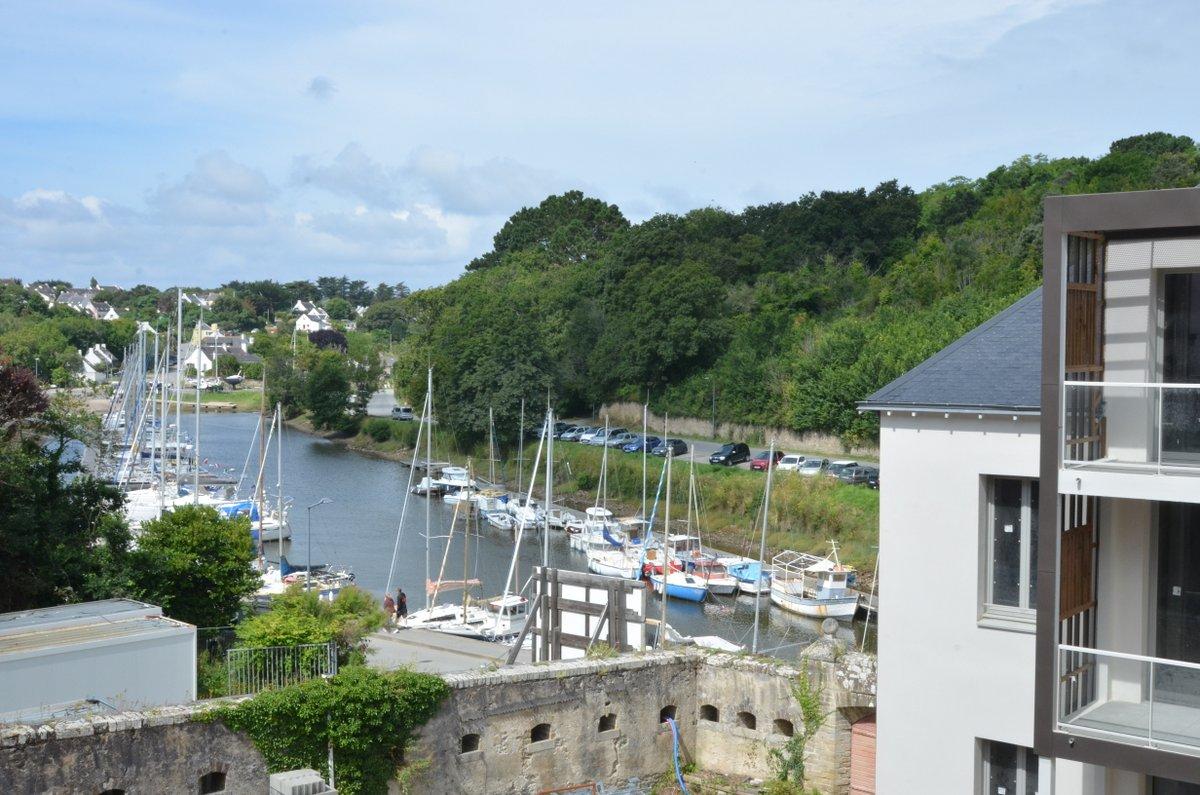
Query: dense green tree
568,228
196,565
339,308
327,389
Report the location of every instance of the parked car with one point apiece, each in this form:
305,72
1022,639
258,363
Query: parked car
601,437
855,475
676,446
872,477
402,413
812,466
648,442
835,468
562,434
730,454
789,463
559,427
620,439
587,436
573,434
759,462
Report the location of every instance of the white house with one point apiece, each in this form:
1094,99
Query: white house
1039,529
312,321
104,311
98,363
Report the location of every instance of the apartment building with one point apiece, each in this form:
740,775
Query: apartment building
1040,535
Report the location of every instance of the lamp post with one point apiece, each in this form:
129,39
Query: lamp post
308,532
36,360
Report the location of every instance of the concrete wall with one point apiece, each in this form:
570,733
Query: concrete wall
150,752
946,677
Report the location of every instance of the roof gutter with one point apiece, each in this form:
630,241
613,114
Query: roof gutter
930,408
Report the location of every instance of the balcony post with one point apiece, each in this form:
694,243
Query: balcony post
1150,723
1159,425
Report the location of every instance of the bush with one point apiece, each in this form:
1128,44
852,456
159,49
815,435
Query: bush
378,429
299,617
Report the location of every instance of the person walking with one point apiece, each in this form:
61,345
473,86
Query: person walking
389,607
401,607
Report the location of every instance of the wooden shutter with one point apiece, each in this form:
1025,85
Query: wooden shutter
862,757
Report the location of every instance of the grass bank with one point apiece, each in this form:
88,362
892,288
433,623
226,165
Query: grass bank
241,399
806,513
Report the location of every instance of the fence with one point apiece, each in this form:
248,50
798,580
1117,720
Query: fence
251,671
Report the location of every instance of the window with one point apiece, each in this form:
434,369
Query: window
607,722
747,720
1008,769
539,733
784,726
469,743
1010,539
709,712
666,713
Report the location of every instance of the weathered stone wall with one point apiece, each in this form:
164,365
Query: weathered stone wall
164,750
151,752
503,708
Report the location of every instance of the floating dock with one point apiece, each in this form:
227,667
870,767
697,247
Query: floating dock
435,652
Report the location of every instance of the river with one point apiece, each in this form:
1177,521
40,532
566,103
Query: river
359,530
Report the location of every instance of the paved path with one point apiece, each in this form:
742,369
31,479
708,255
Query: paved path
381,403
434,652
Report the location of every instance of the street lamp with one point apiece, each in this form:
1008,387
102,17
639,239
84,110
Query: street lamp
36,359
308,532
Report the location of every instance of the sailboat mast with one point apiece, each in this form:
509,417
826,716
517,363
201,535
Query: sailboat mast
196,463
521,451
692,496
260,494
645,411
178,389
428,473
549,484
762,544
491,447
666,564
279,468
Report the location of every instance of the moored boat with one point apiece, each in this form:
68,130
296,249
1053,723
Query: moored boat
812,586
681,585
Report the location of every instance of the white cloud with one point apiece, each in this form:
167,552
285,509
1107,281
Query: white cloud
217,192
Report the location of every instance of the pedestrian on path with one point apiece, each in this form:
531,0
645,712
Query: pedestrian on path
401,607
389,607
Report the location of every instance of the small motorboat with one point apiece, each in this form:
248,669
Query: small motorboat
751,576
681,585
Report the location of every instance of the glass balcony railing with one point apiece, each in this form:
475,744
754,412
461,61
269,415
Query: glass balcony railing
1144,701
1141,426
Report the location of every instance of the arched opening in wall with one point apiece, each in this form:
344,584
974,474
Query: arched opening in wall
784,726
709,712
212,782
607,722
539,733
666,713
747,720
468,743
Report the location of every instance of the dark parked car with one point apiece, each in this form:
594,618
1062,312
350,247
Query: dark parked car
730,454
648,442
759,462
855,475
677,446
835,468
872,477
559,427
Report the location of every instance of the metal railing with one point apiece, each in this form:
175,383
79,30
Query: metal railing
252,670
1159,699
1154,426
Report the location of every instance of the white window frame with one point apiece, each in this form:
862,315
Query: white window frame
985,767
1021,618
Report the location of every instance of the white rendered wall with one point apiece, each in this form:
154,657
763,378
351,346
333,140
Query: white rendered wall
127,674
944,680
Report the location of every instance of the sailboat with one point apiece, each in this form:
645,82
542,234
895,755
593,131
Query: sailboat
672,582
693,559
609,554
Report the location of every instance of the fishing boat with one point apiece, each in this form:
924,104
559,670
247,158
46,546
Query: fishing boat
751,576
681,585
812,586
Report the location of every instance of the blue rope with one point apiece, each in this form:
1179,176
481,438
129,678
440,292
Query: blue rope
675,752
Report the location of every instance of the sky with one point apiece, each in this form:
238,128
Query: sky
196,143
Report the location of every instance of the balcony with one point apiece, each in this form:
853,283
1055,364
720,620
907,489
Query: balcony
1143,701
1123,439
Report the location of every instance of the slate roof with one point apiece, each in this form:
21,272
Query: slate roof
997,367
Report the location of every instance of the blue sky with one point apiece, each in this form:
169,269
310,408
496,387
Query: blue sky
202,142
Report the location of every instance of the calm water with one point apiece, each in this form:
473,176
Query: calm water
359,530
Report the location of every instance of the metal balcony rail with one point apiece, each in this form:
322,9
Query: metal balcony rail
252,670
1140,700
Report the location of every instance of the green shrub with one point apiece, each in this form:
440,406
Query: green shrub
379,429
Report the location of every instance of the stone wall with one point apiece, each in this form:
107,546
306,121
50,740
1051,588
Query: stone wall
156,751
523,729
